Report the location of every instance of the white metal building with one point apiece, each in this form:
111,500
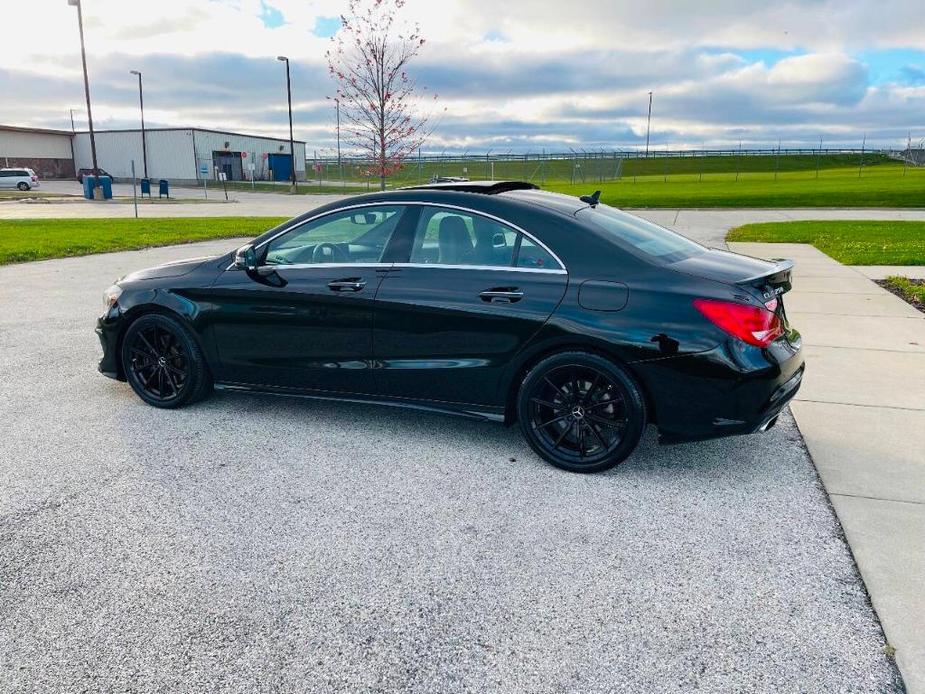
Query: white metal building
181,155
47,152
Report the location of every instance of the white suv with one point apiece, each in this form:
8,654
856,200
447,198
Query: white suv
24,179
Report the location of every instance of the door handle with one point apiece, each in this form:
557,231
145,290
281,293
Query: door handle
351,284
502,295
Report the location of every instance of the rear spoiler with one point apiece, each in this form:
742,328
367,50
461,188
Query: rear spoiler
778,276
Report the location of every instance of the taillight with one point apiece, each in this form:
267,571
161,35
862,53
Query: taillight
35,178
752,324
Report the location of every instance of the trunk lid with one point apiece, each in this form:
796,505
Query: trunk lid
765,279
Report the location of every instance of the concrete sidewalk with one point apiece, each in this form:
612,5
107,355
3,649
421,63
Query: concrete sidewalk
861,411
881,272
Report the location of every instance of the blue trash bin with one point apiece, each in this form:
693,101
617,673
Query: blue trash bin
146,187
104,182
88,186
106,185
163,188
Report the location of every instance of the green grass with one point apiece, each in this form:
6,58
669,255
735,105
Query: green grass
883,186
848,242
913,292
23,240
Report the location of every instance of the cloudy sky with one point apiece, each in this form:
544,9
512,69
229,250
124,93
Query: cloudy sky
518,75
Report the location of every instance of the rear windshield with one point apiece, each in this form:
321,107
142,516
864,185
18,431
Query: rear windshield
641,235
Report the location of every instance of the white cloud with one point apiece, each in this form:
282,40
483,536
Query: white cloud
522,73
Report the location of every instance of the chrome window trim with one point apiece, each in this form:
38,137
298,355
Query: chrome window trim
308,266
388,266
508,268
560,269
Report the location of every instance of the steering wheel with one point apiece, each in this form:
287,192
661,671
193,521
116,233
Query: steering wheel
329,253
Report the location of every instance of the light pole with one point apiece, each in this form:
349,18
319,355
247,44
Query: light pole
289,97
141,100
648,124
97,191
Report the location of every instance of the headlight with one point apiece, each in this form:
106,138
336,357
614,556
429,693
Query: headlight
111,296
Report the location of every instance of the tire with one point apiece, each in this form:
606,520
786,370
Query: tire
581,412
23,186
163,363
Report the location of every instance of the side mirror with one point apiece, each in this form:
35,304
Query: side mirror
499,241
245,258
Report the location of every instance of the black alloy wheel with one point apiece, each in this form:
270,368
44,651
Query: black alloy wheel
581,412
23,186
163,363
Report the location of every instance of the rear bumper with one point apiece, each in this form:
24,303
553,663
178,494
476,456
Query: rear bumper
731,390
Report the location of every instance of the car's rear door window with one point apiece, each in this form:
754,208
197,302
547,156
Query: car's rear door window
452,237
459,238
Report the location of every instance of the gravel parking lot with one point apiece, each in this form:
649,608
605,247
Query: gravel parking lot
256,544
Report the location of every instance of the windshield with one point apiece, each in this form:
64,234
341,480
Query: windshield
640,234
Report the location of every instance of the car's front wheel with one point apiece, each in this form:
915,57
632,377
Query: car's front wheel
163,363
581,412
23,186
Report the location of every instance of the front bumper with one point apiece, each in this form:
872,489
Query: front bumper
107,330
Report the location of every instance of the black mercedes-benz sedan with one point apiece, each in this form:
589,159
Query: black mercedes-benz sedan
577,321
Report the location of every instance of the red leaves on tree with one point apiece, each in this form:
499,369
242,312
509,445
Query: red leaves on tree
377,97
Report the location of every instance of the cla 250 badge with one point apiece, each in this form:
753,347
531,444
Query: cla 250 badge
777,291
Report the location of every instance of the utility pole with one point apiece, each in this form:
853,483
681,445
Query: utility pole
777,162
73,135
340,168
648,124
818,154
144,146
291,143
739,161
97,191
863,145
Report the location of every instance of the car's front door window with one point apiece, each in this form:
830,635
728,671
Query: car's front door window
357,236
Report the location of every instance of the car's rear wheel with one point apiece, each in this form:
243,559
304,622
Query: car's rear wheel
581,412
23,186
163,363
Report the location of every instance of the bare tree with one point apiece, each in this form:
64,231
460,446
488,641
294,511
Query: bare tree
380,102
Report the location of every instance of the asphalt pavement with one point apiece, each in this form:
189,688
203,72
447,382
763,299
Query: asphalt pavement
255,543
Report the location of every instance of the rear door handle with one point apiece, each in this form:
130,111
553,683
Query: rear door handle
502,295
350,284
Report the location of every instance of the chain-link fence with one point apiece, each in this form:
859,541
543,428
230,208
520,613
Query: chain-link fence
600,166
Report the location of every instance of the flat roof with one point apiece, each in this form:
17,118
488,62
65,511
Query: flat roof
41,131
202,130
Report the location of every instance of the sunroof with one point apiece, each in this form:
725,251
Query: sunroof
484,187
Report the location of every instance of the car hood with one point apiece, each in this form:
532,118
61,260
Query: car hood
177,268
